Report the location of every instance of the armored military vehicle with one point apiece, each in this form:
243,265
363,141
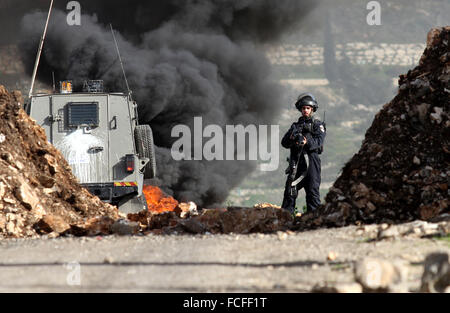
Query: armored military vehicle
100,137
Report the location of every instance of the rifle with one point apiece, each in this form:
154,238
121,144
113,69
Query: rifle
297,136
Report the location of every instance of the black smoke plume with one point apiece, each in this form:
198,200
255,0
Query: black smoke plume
182,59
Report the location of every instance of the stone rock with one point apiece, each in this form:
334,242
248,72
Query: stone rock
108,260
413,229
158,221
282,235
337,288
52,235
376,275
52,164
436,116
370,207
19,165
2,222
332,256
18,98
333,218
37,213
423,228
9,200
49,191
2,190
422,110
142,217
360,190
432,36
344,209
8,157
436,274
390,232
11,228
416,160
193,226
186,209
441,218
97,226
399,288
125,227
46,181
266,205
444,228
24,193
53,223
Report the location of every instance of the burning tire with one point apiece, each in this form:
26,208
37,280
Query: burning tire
145,148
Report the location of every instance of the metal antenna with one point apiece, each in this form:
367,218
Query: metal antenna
53,77
38,56
120,60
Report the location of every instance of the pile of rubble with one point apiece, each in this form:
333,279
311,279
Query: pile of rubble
186,219
39,195
401,173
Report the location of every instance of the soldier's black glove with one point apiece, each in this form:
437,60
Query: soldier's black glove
299,140
308,137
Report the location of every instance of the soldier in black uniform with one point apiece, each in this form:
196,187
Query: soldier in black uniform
305,140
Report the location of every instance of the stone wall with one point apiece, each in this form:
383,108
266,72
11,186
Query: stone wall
357,52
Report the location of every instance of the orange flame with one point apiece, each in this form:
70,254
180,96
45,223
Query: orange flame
157,201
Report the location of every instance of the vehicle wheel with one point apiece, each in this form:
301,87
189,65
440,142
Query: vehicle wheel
145,148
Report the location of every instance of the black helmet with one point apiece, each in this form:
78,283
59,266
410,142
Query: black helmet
306,99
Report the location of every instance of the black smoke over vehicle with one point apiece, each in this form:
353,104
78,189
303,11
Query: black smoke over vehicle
182,59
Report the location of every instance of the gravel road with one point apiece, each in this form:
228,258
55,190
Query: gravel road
281,262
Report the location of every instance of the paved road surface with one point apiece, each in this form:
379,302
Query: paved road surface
283,262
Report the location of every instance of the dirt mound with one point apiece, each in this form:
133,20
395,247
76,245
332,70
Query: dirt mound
401,173
38,192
